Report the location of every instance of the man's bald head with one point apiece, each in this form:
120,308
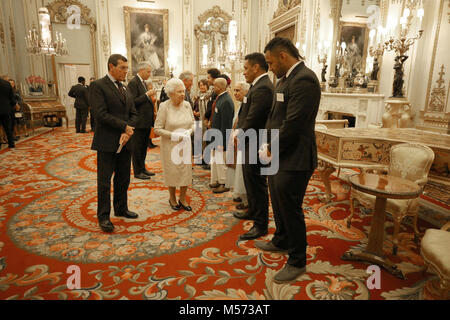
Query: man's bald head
220,85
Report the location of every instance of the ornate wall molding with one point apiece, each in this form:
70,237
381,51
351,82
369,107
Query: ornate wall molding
448,13
433,59
284,6
2,34
435,116
438,94
317,23
215,12
58,12
12,33
105,43
244,7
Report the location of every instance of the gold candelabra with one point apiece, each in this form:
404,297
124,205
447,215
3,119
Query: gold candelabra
402,44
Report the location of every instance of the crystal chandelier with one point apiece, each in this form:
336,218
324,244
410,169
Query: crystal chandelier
235,52
39,43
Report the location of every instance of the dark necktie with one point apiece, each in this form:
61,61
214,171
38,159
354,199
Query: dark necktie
213,109
282,80
121,90
144,85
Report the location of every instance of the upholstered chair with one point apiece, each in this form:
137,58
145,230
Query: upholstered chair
408,161
435,252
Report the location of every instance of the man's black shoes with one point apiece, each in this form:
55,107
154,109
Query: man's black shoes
127,214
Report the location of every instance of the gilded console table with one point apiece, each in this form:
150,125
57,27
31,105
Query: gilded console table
366,148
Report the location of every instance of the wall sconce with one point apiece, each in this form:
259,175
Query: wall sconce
172,60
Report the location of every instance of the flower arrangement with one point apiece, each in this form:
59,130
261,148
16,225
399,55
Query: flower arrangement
35,84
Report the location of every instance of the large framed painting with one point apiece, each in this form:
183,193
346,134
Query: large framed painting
355,36
147,39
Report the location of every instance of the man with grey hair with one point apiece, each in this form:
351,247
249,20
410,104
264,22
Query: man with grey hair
145,108
235,178
221,119
188,78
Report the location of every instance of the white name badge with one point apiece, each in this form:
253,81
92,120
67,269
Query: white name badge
216,111
280,97
245,99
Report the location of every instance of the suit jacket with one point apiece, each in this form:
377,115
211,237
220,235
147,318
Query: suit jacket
144,105
254,112
223,117
81,95
112,114
294,110
187,97
7,98
209,106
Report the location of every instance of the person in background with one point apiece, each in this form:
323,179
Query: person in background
235,178
150,88
7,102
188,78
222,120
81,95
175,124
18,118
200,106
212,74
91,115
115,119
145,109
293,113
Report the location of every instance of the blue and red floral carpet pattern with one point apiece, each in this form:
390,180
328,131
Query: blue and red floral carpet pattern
48,222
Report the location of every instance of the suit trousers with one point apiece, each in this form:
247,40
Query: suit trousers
107,164
91,115
257,194
140,145
287,189
218,167
81,119
6,122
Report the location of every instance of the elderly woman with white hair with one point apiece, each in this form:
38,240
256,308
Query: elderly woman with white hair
175,124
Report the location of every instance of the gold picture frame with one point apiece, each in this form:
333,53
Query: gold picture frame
361,33
147,39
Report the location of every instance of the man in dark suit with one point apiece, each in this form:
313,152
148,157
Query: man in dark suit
222,120
7,103
81,94
145,109
253,117
294,110
213,74
115,116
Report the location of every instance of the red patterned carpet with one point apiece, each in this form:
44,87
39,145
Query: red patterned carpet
48,222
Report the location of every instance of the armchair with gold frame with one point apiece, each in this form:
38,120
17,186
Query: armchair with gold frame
436,255
409,161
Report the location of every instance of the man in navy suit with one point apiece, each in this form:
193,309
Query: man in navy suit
145,108
81,95
294,110
222,113
115,115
